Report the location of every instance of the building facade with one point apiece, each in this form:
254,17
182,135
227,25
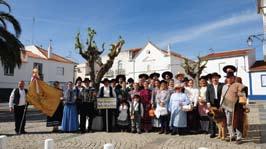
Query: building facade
136,61
52,67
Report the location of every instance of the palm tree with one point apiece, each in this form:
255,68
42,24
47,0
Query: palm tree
10,46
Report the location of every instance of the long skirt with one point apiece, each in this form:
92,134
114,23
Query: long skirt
193,120
70,118
146,120
56,119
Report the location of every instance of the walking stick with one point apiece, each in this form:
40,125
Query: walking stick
23,117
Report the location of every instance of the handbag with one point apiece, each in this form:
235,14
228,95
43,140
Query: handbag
242,100
187,108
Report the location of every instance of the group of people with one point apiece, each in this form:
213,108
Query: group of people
174,106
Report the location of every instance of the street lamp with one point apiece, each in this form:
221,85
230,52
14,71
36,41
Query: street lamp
259,37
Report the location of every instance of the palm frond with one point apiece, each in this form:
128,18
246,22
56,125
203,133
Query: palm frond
6,4
3,23
10,49
8,17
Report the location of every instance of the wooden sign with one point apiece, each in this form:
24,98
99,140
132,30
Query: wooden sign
106,103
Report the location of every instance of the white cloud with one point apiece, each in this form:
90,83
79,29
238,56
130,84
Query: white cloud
199,30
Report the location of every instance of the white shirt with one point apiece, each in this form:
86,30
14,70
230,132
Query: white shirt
215,91
193,94
22,99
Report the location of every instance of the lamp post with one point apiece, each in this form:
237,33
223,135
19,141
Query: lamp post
251,38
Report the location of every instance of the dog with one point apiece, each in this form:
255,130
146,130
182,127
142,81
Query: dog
219,118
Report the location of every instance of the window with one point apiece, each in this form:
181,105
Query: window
148,52
263,80
120,65
8,71
60,71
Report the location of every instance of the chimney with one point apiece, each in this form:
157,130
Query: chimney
50,49
168,49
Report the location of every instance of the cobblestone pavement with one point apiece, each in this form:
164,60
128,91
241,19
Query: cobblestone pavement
38,132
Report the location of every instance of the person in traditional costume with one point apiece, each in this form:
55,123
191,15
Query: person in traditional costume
231,94
56,120
155,121
142,78
162,102
120,79
17,104
202,106
107,91
193,115
213,98
88,106
155,76
77,90
135,91
145,95
70,116
171,86
167,76
178,117
123,117
136,114
130,83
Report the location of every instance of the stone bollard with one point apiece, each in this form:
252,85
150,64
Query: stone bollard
49,144
108,146
3,140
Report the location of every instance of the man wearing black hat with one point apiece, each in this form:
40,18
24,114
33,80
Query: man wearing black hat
230,99
130,83
155,76
87,106
107,91
213,97
167,75
142,78
229,68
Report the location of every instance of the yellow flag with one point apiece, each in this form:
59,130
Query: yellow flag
43,97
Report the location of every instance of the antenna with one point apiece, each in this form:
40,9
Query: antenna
32,32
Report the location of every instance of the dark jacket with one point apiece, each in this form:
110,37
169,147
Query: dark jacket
17,96
210,94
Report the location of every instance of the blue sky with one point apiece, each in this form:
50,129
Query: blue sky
190,27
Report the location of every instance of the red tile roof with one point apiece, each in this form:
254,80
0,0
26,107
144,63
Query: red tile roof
225,54
54,57
258,66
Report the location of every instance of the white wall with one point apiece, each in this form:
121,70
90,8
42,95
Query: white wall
25,72
257,89
240,62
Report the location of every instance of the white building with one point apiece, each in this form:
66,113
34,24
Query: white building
252,72
136,61
52,67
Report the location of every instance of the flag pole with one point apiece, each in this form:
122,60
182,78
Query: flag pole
23,117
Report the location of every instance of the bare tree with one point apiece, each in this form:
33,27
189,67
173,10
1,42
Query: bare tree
92,54
194,68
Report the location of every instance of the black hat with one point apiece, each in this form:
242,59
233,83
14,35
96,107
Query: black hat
143,75
130,80
170,74
78,79
186,79
203,77
105,80
215,74
233,68
230,74
209,76
86,79
120,76
155,74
